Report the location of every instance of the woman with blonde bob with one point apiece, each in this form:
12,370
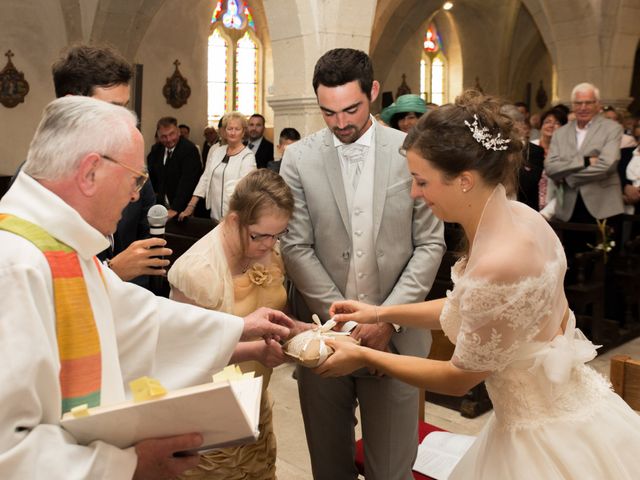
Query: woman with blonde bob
554,417
226,164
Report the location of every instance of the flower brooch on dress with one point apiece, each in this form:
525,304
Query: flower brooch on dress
259,275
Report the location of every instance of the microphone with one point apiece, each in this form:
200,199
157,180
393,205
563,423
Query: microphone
157,218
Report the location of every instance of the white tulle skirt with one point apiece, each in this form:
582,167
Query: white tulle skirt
606,446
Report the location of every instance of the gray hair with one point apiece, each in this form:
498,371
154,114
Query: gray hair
72,127
585,87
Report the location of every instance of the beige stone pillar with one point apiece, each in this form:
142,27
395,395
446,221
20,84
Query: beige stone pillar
301,31
590,42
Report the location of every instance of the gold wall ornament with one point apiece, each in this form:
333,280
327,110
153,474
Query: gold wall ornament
13,86
176,89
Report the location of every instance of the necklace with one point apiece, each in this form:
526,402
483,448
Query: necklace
231,151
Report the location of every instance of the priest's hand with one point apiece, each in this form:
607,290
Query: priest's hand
156,459
267,323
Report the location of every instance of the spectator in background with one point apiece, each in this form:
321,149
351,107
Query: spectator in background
530,170
287,137
404,113
536,124
260,146
211,139
225,167
185,132
629,166
174,167
582,159
551,121
627,141
524,109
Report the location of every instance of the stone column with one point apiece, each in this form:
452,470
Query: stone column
301,31
590,42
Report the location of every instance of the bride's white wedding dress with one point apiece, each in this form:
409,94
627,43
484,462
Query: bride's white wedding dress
554,417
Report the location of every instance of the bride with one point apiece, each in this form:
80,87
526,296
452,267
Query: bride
507,315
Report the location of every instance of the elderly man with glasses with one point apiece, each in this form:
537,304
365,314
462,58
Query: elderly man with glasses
582,159
73,332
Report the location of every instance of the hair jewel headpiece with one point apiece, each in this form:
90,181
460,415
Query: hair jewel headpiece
483,137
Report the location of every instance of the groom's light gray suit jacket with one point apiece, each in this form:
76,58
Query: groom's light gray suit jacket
408,238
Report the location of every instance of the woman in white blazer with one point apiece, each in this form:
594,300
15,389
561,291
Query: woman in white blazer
226,164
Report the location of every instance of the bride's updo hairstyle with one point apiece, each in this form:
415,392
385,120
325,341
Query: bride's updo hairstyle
444,139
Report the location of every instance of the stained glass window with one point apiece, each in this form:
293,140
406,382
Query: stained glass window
433,68
217,76
237,14
234,59
431,40
437,81
246,75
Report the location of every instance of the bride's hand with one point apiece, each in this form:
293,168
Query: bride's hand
350,310
346,358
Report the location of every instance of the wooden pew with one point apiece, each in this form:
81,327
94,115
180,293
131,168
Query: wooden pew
625,378
586,293
180,236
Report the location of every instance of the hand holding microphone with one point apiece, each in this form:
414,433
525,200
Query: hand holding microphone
142,257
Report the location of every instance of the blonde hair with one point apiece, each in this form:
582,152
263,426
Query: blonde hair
257,193
235,116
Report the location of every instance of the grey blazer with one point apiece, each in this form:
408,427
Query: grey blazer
408,237
599,184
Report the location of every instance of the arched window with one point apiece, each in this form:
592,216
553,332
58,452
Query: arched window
234,61
433,69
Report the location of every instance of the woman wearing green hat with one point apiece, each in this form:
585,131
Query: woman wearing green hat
404,113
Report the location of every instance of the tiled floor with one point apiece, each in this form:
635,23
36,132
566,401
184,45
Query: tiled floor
293,457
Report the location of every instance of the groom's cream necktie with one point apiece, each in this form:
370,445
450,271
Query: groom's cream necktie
354,154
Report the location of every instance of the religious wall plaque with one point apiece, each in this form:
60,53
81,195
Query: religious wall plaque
541,96
403,89
176,90
13,86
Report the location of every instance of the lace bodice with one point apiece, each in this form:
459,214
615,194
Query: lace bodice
498,328
498,318
504,315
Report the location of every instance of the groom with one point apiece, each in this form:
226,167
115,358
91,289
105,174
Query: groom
357,234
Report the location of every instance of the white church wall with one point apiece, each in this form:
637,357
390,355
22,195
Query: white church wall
34,31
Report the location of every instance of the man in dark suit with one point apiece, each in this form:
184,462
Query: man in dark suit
260,146
174,167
